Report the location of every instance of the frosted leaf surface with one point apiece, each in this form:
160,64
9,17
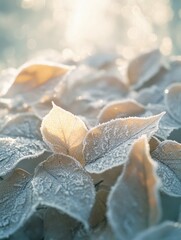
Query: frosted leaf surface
7,78
134,204
60,182
36,80
64,132
173,101
168,156
120,109
87,91
12,151
16,202
107,145
143,67
58,225
22,125
163,231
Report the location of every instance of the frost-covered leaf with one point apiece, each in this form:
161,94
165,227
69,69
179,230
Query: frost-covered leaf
64,132
107,145
151,95
36,80
173,101
120,109
60,182
143,67
23,125
168,156
167,123
86,91
133,204
12,151
16,202
30,163
163,231
58,225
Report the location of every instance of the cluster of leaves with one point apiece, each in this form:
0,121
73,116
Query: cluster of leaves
90,151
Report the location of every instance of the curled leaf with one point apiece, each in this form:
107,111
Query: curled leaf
168,156
107,145
133,204
64,132
120,109
60,182
16,202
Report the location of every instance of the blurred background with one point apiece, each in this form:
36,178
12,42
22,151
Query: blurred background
80,27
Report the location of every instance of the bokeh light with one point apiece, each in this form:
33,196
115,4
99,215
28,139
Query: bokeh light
79,27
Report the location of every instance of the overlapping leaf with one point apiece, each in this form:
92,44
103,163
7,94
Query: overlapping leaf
81,97
16,202
14,150
58,225
64,132
23,125
60,182
164,231
36,80
133,203
120,109
143,67
168,156
107,144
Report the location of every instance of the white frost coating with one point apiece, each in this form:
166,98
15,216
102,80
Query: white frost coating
16,202
133,203
168,157
23,125
164,231
60,182
13,151
108,144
